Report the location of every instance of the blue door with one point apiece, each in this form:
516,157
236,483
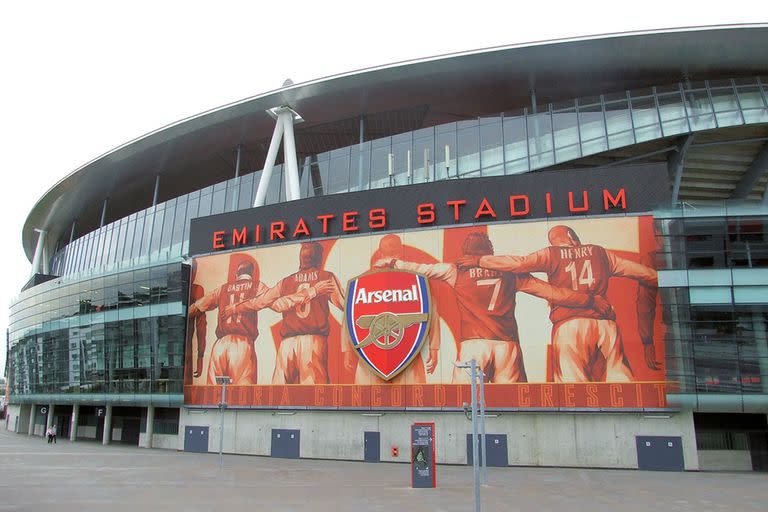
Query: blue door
196,439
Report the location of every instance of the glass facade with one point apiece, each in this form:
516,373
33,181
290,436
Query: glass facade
114,323
714,242
120,334
508,143
715,292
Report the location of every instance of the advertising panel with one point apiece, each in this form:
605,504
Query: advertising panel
558,313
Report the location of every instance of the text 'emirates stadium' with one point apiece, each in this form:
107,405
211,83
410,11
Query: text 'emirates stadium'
305,272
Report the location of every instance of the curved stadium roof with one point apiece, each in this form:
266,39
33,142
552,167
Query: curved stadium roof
199,151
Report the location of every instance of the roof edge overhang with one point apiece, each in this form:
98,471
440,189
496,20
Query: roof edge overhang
44,209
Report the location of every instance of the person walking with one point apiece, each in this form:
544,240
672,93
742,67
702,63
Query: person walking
49,434
53,433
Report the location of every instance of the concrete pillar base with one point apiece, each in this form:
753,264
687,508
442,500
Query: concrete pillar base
107,437
150,427
73,424
32,414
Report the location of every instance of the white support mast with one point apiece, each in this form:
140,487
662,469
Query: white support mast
285,118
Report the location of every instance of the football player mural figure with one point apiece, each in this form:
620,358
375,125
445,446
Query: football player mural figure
579,335
302,357
391,247
237,301
486,300
196,329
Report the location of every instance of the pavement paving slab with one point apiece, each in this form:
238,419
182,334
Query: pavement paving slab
86,476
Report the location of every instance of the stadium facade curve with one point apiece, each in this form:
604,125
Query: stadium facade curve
587,219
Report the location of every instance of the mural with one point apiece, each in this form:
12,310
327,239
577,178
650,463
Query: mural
557,313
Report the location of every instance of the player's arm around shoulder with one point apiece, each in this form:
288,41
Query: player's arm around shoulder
554,294
534,262
207,303
442,271
622,267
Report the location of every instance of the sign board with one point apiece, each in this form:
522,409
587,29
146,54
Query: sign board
423,455
465,265
539,195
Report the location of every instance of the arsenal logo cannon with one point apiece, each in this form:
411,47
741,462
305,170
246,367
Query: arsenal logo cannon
387,316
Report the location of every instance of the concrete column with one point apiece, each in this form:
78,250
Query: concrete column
107,437
103,212
73,426
49,420
72,231
761,343
150,427
32,414
38,255
156,193
237,160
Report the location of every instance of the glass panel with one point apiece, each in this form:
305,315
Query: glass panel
217,204
85,252
338,173
753,104
360,156
157,231
137,236
233,192
491,147
275,190
567,145
205,204
108,249
592,127
619,123
468,147
423,157
445,153
710,295
401,149
127,228
540,140
381,150
177,234
192,209
245,198
317,175
726,106
700,109
672,111
165,240
645,118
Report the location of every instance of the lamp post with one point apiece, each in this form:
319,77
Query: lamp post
475,373
223,380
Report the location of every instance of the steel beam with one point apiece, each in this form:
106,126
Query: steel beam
269,165
675,165
752,175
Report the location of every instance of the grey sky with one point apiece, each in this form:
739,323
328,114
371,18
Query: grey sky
80,78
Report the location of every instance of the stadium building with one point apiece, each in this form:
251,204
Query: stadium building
587,219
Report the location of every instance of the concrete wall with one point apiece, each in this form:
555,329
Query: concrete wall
163,441
12,413
534,439
725,460
86,432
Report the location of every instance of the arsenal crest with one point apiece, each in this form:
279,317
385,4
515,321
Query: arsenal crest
387,316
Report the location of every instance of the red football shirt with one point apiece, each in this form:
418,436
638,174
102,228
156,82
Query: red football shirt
309,318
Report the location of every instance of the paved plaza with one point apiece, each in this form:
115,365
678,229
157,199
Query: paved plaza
85,476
